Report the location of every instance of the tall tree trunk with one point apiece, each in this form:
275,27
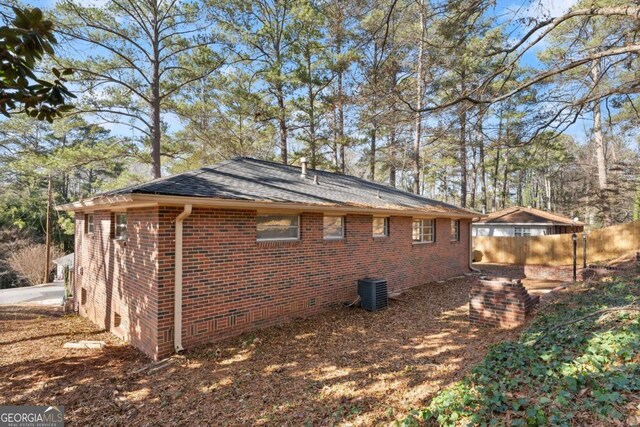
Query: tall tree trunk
417,132
505,179
548,193
474,176
343,142
372,159
496,171
483,168
156,125
601,159
496,167
47,245
282,123
392,156
335,149
312,117
374,110
463,156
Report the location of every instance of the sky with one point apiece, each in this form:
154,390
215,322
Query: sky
504,11
507,9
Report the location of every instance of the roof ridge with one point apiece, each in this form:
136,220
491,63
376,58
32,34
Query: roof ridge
248,178
342,175
552,216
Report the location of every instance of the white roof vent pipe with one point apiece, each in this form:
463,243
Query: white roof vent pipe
315,179
303,162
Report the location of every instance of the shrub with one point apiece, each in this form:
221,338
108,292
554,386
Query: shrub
28,262
11,240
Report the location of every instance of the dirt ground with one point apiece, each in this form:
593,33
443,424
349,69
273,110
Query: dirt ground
345,367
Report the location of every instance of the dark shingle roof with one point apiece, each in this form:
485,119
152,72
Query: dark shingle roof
258,180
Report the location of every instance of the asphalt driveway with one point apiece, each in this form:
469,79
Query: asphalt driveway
48,294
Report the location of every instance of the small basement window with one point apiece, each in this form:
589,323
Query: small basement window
117,320
88,224
380,226
278,227
424,230
333,227
455,230
83,296
120,226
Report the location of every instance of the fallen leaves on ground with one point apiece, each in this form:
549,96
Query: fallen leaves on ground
344,367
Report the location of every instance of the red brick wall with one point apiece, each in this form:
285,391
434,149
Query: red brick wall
119,276
500,303
233,283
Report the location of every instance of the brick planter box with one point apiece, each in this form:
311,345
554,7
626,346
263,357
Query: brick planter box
500,302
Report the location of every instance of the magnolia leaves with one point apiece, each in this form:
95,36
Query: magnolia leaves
23,44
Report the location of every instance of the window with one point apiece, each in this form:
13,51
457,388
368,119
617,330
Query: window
278,227
333,227
424,231
117,320
121,226
455,230
88,224
380,227
521,231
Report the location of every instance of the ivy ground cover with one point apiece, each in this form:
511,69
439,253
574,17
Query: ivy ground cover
577,363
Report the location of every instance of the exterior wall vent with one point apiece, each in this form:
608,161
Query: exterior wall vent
373,294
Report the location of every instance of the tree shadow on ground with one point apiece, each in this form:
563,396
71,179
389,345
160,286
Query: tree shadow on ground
347,366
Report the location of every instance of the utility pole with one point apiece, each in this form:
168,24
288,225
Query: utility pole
48,235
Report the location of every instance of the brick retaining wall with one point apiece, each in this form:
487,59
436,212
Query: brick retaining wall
565,273
500,302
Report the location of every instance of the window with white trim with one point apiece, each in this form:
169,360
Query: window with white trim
88,224
333,227
120,229
380,226
521,231
455,230
424,230
278,227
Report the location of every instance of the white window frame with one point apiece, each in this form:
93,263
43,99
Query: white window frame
521,231
455,230
277,239
341,236
120,229
385,228
89,223
424,223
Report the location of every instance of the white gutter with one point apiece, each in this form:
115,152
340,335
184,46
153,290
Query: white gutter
177,301
140,200
471,267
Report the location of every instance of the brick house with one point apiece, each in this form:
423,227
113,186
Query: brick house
246,244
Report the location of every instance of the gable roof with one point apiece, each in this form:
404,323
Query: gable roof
245,180
521,215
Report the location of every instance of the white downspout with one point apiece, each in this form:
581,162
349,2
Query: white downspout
471,267
177,301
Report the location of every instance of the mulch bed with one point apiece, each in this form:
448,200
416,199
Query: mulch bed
345,367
